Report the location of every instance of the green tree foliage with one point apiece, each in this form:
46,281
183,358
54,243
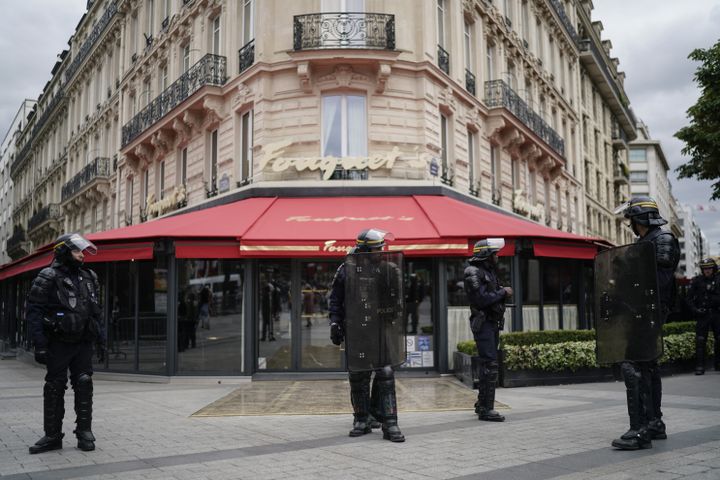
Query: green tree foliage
702,136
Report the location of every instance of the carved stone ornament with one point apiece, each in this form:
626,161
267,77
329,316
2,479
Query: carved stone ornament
382,77
215,110
242,95
344,76
303,73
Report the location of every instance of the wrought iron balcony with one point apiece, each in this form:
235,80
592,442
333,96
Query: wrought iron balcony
499,94
344,30
209,70
621,173
443,60
619,136
17,244
46,214
20,157
89,42
469,81
560,10
98,169
247,55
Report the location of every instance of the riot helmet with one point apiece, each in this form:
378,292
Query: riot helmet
371,240
69,242
485,248
642,210
709,264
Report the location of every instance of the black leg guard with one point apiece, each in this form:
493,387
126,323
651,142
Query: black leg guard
700,355
83,409
485,406
53,413
388,405
637,437
360,399
716,360
655,425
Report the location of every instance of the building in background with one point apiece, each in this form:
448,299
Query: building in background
8,228
649,175
693,244
163,108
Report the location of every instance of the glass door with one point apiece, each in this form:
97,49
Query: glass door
419,325
316,350
274,316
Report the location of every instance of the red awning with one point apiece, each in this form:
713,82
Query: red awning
224,221
120,252
328,227
26,264
207,249
564,249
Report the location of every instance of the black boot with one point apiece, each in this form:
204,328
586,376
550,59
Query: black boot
360,399
373,422
637,437
487,382
384,384
655,426
53,413
716,360
656,429
699,355
83,409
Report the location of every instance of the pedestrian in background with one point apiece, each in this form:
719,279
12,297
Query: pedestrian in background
704,301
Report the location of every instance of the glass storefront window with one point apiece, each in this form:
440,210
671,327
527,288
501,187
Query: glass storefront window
152,316
121,328
419,327
317,351
210,316
273,315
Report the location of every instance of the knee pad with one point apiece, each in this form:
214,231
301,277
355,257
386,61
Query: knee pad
83,382
359,378
630,373
57,387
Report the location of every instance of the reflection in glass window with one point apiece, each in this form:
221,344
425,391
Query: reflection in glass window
152,315
209,316
274,317
121,325
317,352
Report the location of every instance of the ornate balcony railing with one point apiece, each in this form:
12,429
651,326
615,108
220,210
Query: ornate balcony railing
587,45
621,172
89,42
619,134
20,156
52,211
18,238
560,10
209,70
247,55
46,112
470,81
344,30
499,94
443,60
98,168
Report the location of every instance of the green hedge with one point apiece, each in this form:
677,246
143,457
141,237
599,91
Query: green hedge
573,355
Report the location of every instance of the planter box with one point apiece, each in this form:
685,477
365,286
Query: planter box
466,372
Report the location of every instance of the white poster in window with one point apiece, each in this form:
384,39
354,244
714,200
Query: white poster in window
416,359
410,343
427,359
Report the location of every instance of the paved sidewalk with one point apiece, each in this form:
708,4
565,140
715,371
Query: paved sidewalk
145,431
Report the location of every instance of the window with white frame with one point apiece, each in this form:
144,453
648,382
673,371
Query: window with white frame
182,167
129,200
160,181
213,160
145,188
495,173
246,146
163,78
472,182
490,62
215,32
344,130
248,21
186,58
167,9
332,6
441,13
469,55
150,17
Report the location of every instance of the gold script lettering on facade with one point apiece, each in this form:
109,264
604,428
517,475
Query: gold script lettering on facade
169,203
328,165
330,246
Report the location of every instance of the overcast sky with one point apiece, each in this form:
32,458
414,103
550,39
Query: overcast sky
652,39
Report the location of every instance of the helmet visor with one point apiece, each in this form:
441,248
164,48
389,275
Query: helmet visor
78,242
620,209
496,243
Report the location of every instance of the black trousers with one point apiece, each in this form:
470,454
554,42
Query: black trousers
487,340
705,324
76,357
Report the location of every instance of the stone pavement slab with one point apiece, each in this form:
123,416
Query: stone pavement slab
147,431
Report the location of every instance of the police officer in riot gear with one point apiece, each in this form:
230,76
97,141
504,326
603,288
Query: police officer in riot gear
64,314
487,310
642,379
704,301
379,402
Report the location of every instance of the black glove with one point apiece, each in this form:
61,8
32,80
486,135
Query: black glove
336,333
41,356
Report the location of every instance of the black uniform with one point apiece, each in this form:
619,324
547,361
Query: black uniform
378,402
704,301
64,314
487,310
642,379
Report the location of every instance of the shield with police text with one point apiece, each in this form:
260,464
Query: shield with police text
374,303
627,306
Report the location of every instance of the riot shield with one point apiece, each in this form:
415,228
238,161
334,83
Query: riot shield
374,302
627,308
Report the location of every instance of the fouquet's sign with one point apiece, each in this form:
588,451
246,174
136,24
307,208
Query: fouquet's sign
327,165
